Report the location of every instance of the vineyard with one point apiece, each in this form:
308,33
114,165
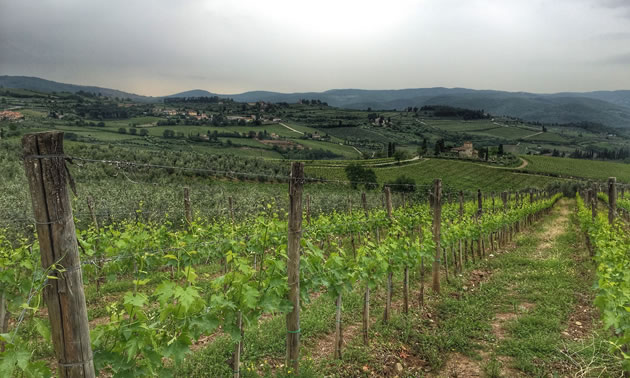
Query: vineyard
607,237
586,169
217,295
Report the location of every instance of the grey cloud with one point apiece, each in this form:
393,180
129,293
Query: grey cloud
615,36
614,3
621,59
161,47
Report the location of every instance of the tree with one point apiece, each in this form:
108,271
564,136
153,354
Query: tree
122,130
402,184
439,146
400,155
144,132
132,131
424,147
358,174
500,152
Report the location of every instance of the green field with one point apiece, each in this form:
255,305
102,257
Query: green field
588,169
343,150
454,174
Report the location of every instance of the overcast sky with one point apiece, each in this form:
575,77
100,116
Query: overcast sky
159,47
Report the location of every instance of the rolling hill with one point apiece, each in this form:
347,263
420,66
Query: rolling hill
49,86
611,108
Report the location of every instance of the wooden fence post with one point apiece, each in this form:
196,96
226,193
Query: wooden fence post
479,203
308,209
480,246
99,279
296,184
388,300
90,203
44,163
612,199
437,226
231,206
366,297
187,207
461,218
388,201
236,356
365,204
594,203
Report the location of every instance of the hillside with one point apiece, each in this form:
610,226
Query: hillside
611,108
49,86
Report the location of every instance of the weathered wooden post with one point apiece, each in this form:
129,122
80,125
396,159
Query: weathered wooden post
461,217
479,203
296,184
308,209
504,199
388,202
437,225
231,207
594,202
90,203
187,207
44,163
236,356
388,300
480,247
366,298
612,199
365,205
99,279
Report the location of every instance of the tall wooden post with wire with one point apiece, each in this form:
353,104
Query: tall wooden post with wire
187,207
612,199
437,226
366,298
48,178
296,184
390,274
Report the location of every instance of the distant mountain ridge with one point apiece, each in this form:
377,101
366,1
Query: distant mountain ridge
48,86
611,108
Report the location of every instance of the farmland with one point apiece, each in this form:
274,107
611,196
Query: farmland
455,174
185,235
586,169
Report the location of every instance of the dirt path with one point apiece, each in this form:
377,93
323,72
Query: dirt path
291,128
529,280
531,135
378,165
524,164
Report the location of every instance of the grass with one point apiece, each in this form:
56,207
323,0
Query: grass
264,344
538,284
589,169
454,173
343,150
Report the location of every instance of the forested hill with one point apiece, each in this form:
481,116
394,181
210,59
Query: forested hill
611,108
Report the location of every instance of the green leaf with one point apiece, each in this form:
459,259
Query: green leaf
43,329
137,300
186,296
